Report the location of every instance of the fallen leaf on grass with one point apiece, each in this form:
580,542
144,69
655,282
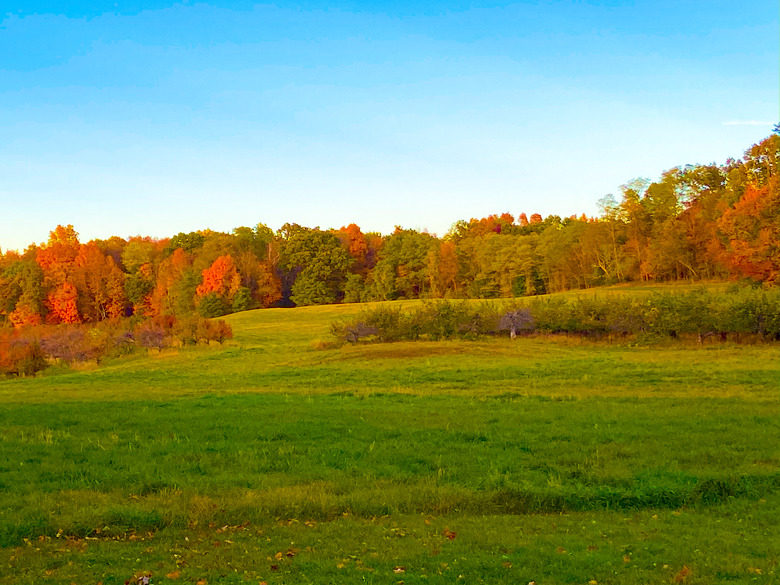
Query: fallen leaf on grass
450,534
682,575
399,570
560,550
173,575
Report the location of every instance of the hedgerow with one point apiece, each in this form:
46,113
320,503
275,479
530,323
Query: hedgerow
737,315
28,350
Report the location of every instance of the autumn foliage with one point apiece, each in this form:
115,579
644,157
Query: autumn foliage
695,222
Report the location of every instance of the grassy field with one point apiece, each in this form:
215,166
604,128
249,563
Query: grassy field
273,460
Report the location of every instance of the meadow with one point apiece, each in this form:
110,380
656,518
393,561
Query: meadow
283,458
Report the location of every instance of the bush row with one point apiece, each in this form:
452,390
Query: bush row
23,352
735,314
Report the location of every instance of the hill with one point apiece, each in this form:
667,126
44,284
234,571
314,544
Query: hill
271,459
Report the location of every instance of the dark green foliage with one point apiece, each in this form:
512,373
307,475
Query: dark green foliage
22,284
137,287
400,272
187,242
318,263
184,293
242,301
354,289
213,305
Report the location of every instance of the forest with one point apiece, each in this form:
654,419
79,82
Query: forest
696,222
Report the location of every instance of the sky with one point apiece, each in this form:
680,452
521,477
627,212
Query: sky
153,118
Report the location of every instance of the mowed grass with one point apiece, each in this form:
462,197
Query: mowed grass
272,460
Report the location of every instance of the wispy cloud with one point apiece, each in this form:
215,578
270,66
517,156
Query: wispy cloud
747,123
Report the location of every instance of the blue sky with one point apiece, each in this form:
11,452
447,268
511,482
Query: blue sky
153,118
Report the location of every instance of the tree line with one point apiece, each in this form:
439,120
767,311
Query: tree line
694,222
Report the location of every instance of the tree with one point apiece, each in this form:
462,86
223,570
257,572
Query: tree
100,284
611,262
175,286
22,294
495,265
212,305
355,242
519,320
401,271
258,279
317,264
442,269
62,303
221,278
57,260
638,226
187,242
20,355
753,229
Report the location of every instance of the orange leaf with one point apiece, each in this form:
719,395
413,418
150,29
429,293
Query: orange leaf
173,575
682,575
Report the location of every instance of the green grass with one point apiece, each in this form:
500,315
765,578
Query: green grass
546,459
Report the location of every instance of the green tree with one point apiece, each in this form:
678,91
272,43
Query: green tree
318,264
401,270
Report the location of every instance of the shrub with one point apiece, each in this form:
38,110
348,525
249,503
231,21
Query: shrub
212,305
152,335
71,343
20,355
552,315
209,330
662,315
242,301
